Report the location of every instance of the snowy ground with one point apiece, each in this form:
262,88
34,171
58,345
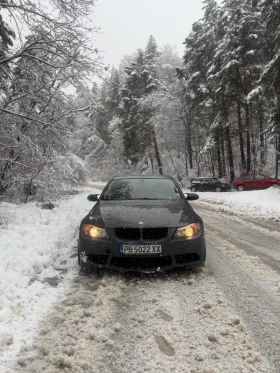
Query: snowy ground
257,204
37,253
53,319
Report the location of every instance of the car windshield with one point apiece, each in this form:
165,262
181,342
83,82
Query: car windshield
145,189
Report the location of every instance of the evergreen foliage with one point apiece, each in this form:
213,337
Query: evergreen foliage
137,129
231,68
214,112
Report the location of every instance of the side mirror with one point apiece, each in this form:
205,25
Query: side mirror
191,196
93,197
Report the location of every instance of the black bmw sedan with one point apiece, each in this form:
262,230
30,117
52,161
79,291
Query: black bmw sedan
142,223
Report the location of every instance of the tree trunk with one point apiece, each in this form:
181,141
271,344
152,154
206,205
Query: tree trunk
261,120
157,155
223,156
212,164
186,163
248,140
175,169
230,154
189,147
277,156
152,163
219,158
240,133
187,123
28,191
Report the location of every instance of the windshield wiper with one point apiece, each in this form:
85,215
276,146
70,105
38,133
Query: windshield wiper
145,198
132,199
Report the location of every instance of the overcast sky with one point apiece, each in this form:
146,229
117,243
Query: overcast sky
127,24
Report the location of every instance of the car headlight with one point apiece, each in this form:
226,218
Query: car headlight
188,231
94,232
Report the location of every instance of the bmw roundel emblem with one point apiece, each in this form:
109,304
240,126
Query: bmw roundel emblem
141,222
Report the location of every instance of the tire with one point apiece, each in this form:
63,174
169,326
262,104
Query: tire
193,189
82,267
240,188
274,184
218,189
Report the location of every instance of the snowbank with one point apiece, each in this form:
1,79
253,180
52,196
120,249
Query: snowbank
38,250
257,204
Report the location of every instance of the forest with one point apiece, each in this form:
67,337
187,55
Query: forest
214,112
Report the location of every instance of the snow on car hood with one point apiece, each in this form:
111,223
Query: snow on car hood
162,213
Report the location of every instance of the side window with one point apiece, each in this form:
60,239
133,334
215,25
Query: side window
248,177
259,177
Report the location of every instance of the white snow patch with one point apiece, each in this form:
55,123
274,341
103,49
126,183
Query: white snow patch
38,250
261,204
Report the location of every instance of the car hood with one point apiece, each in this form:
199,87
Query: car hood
162,213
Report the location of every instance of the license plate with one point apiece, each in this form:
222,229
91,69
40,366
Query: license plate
140,249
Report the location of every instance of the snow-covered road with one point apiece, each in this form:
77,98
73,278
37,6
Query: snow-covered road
223,318
244,260
118,323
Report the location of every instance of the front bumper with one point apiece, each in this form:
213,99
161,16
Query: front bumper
100,253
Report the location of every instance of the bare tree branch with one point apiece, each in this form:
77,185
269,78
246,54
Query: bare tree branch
25,9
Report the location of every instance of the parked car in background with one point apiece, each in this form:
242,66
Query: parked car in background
209,184
250,182
142,223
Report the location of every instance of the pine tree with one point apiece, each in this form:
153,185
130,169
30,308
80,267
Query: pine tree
151,54
107,105
237,66
198,58
270,78
139,135
114,98
134,138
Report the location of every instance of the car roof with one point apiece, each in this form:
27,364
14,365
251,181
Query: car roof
142,177
204,177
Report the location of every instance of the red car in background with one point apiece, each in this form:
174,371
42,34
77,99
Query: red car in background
249,182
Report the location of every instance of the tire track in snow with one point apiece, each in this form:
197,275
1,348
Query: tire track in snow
254,238
245,286
159,323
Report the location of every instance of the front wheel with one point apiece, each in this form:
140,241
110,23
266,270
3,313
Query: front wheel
240,188
193,189
218,189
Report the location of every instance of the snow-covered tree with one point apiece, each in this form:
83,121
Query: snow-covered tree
139,135
52,51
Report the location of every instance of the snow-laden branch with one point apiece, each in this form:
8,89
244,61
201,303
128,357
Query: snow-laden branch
26,9
23,116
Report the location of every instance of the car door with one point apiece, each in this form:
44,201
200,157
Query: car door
205,185
199,185
265,182
212,185
260,182
248,182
